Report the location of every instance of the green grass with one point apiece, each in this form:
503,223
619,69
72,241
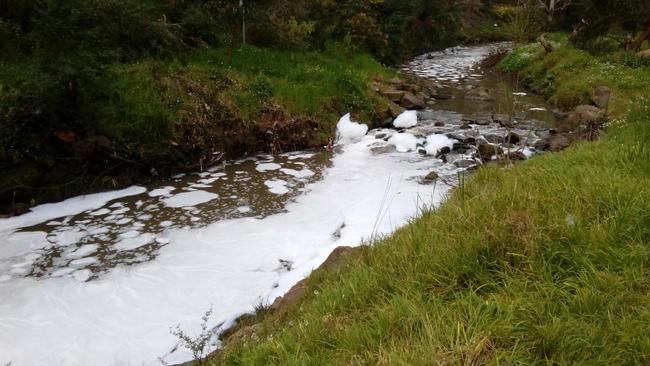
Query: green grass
544,263
569,75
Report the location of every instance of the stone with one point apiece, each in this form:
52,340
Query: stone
464,163
462,138
601,96
413,88
482,94
644,54
439,124
443,151
430,178
515,156
386,149
513,138
553,143
584,115
494,139
393,94
461,147
292,296
465,127
338,257
487,151
410,101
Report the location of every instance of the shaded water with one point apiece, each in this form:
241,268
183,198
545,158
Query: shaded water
98,280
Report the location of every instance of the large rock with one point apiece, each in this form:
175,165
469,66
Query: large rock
480,93
393,94
585,115
553,143
601,96
410,101
338,257
487,151
644,54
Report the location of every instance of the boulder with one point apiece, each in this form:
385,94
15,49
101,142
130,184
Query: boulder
494,139
644,54
553,143
513,138
464,163
338,257
487,151
482,94
461,147
585,115
393,94
515,156
430,178
601,96
292,297
410,101
443,151
439,124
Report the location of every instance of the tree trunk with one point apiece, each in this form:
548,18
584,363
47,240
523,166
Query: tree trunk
645,35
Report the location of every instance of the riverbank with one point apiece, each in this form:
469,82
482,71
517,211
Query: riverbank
165,117
542,262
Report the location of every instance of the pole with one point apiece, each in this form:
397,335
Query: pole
243,21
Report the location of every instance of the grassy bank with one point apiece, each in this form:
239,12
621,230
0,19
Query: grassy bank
569,75
158,116
543,263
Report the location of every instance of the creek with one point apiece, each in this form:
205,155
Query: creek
100,279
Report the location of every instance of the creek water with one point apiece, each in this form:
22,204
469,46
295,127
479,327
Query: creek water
101,279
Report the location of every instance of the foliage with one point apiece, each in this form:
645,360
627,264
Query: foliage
198,345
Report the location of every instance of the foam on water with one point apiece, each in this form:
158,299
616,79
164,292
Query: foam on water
124,316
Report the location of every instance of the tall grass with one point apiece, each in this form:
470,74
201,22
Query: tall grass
544,263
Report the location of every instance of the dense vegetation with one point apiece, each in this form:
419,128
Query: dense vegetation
98,94
544,263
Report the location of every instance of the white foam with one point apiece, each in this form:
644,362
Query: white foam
265,167
436,142
407,119
123,318
404,142
134,242
161,191
277,186
72,206
303,173
191,198
349,131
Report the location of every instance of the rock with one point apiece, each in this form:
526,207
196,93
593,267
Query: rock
584,115
338,257
461,138
644,54
386,149
393,94
413,88
439,124
410,101
553,143
494,139
465,127
515,156
513,138
559,114
461,147
443,151
482,94
292,297
430,178
397,83
464,163
92,146
486,152
601,96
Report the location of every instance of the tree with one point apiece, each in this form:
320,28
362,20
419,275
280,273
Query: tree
551,7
